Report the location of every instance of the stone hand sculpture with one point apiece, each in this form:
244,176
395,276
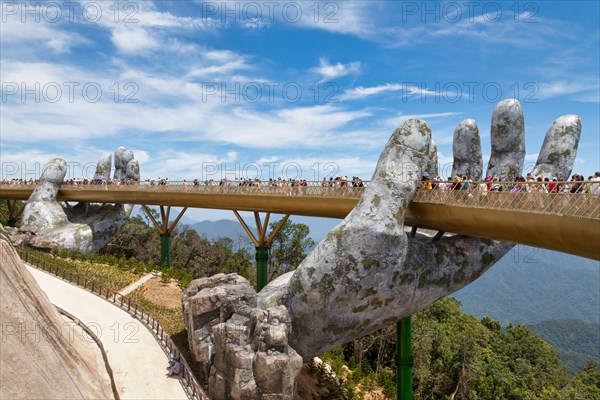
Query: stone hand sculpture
368,272
85,227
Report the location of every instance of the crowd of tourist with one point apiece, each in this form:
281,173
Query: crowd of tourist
526,184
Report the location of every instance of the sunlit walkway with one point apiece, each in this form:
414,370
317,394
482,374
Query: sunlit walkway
137,360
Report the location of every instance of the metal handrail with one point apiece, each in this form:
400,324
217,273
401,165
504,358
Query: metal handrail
189,382
552,198
572,198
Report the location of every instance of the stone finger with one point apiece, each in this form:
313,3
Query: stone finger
466,147
104,166
508,141
331,290
558,152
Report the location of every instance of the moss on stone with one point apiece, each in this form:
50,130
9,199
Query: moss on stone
333,329
296,286
487,259
360,308
376,200
368,263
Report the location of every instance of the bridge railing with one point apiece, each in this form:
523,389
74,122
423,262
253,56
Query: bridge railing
277,188
189,382
579,199
575,199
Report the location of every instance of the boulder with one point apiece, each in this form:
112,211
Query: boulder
243,350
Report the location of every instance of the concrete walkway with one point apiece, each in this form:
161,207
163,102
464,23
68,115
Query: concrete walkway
138,362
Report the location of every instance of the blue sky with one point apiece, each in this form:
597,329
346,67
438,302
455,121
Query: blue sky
200,89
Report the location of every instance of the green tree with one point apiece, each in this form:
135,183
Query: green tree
289,247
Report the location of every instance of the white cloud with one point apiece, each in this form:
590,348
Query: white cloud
586,90
31,36
347,17
331,71
133,40
408,89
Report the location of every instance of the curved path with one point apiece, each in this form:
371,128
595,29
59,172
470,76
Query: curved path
138,362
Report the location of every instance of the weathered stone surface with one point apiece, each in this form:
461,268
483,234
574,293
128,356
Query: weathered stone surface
104,167
86,227
24,238
122,158
132,170
367,274
559,149
508,141
40,357
42,212
466,146
342,286
244,348
432,161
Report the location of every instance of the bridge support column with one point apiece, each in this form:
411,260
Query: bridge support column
14,212
165,249
165,230
262,267
404,359
262,245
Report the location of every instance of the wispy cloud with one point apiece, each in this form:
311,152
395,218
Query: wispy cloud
408,89
587,90
330,71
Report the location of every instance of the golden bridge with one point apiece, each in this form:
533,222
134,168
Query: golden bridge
562,221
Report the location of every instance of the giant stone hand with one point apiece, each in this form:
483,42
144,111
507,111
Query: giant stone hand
85,227
369,273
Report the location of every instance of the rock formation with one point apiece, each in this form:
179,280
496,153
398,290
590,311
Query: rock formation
508,141
41,358
126,167
104,167
243,350
466,147
85,227
368,272
559,149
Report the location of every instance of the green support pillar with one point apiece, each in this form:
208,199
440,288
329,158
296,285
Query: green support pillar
262,263
11,222
404,359
165,249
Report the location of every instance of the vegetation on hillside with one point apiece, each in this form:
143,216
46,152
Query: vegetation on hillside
191,255
457,356
576,342
530,285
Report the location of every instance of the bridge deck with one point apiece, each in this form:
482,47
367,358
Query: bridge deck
567,222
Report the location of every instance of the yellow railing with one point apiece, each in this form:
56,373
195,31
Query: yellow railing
529,197
577,199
